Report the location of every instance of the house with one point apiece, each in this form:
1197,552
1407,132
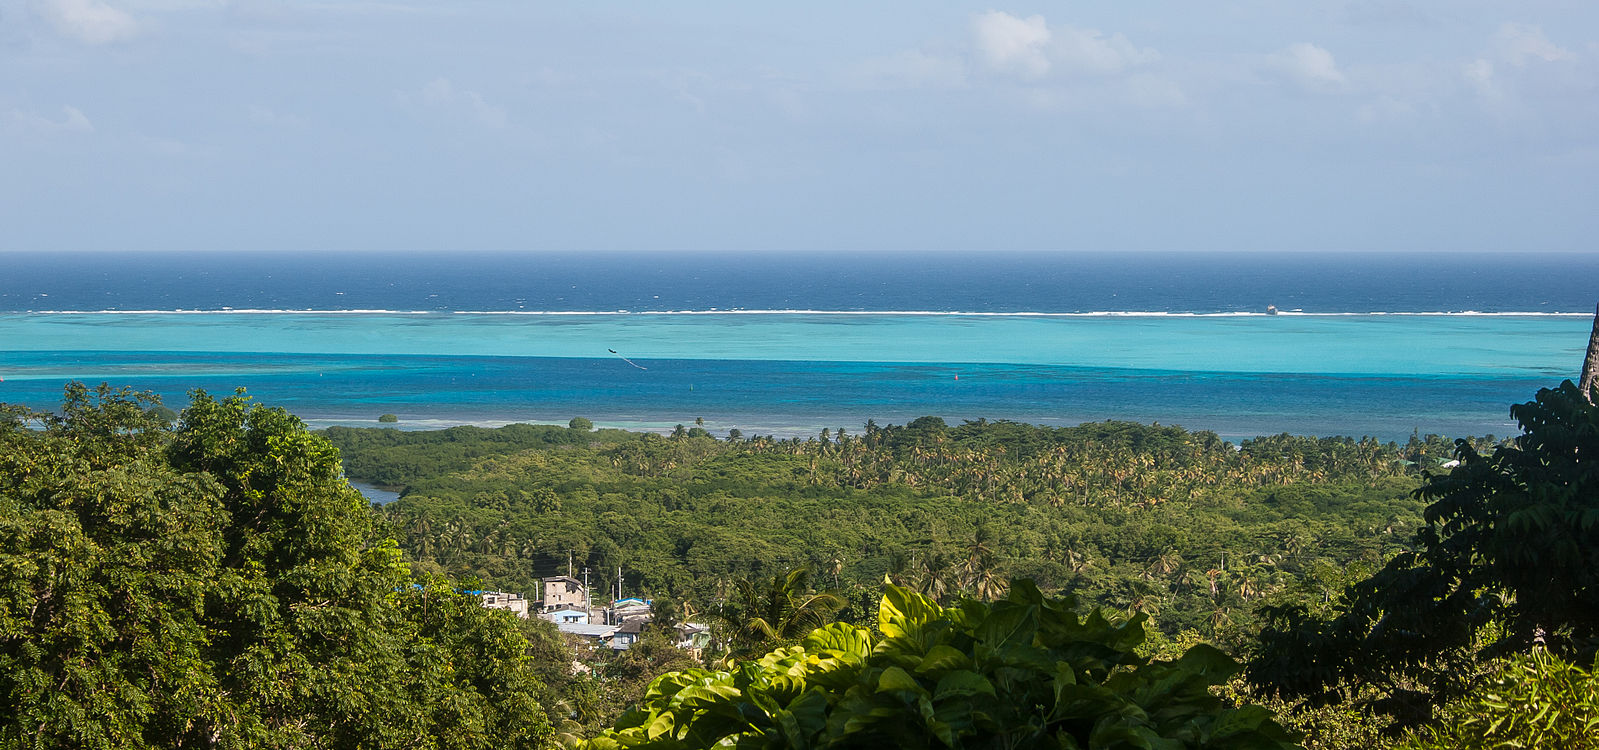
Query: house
628,609
595,634
627,634
569,615
561,592
693,637
516,603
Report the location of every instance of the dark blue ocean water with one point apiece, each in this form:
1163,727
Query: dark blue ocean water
974,282
1368,355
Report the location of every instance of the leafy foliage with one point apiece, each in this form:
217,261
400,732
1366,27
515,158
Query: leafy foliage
1157,518
1509,557
782,608
1532,700
1025,671
221,585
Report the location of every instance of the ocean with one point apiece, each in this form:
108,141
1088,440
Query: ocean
1363,344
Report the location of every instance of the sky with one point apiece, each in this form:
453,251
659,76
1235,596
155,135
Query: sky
522,125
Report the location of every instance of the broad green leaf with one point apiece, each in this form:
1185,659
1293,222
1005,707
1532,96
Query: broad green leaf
895,679
840,639
903,612
943,657
962,683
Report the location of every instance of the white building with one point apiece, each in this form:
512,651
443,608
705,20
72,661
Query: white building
567,615
516,603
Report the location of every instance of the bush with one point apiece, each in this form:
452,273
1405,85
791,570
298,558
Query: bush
1533,700
388,418
1022,672
579,423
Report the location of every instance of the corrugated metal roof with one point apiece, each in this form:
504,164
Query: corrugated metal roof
587,631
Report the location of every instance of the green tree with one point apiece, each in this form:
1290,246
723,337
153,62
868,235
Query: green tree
223,586
778,609
1509,558
580,424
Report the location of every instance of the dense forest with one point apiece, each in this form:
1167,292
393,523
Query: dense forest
1182,525
212,580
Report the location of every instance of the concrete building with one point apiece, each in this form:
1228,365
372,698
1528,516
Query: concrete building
561,592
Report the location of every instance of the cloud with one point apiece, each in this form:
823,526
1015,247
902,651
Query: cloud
1519,44
73,121
1308,64
89,21
1006,42
441,94
1093,51
1031,48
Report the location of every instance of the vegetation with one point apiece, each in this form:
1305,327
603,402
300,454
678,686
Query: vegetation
1508,559
220,585
215,581
1179,524
1528,701
388,418
1022,672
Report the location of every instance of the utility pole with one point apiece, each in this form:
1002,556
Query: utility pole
588,605
569,563
618,584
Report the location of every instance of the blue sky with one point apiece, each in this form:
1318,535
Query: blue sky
489,125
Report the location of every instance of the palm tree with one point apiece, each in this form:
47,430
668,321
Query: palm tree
781,609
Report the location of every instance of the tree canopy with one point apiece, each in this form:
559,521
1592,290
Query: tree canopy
219,584
1508,558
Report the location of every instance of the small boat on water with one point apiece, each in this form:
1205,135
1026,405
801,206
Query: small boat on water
1271,309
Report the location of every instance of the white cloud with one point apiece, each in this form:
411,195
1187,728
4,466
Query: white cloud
1309,65
1519,44
73,121
443,95
1008,43
1092,50
1030,47
89,21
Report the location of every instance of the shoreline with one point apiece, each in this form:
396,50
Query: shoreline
786,429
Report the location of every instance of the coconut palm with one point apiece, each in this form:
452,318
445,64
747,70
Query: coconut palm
783,608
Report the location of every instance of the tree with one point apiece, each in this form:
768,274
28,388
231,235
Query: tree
1509,558
780,609
580,424
223,586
